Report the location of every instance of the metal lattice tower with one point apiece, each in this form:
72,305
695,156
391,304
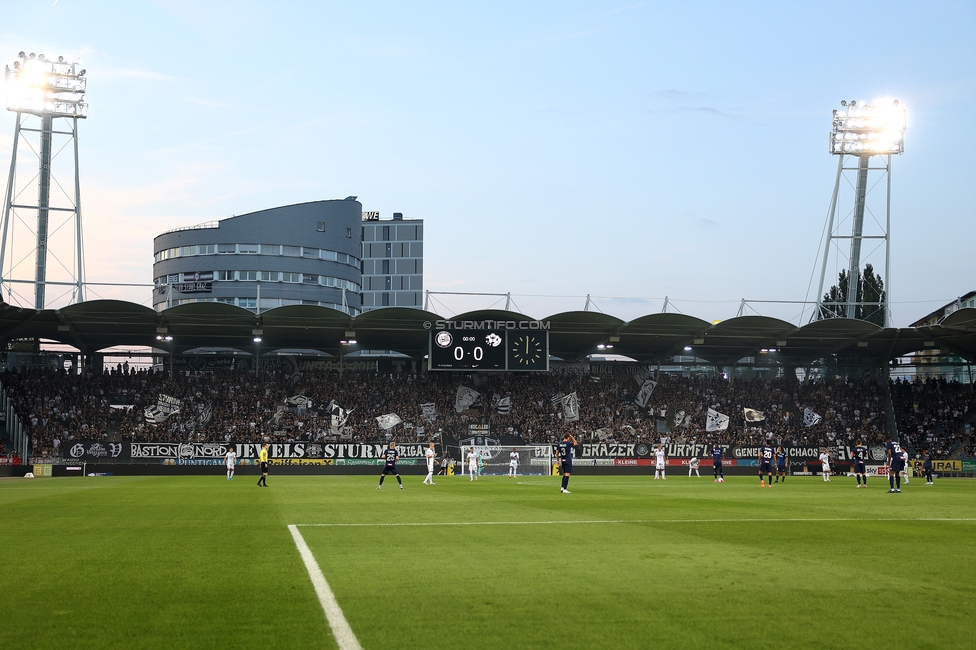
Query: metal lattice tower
45,94
863,134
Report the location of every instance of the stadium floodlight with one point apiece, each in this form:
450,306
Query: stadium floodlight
37,87
40,86
868,129
862,130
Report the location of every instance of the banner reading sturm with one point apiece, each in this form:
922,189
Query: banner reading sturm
91,451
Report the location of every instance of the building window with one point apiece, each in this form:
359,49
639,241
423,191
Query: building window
310,252
224,249
269,276
247,276
270,249
188,250
320,226
206,249
291,277
386,233
224,276
386,267
386,300
226,301
389,283
291,251
247,249
389,250
247,303
308,278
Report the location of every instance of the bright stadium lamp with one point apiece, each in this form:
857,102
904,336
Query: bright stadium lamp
871,129
37,85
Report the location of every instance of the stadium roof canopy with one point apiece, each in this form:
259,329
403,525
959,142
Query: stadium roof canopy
99,324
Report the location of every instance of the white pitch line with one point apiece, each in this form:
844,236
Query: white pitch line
626,521
344,636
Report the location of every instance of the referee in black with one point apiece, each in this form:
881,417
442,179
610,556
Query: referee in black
263,459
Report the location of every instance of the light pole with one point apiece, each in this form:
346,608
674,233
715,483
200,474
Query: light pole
257,354
167,339
862,131
46,89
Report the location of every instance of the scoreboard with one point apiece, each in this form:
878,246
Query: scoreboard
489,350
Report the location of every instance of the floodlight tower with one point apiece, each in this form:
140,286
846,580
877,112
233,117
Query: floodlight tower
46,89
862,131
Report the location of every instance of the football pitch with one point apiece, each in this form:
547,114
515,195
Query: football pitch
622,562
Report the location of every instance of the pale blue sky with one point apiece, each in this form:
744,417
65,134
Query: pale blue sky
628,149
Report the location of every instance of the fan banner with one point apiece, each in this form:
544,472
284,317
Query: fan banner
647,388
504,406
429,411
388,421
752,415
810,418
571,407
716,421
465,398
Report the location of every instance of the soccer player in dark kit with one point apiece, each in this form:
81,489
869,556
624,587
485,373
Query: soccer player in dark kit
766,465
565,452
390,456
717,464
860,455
895,465
781,460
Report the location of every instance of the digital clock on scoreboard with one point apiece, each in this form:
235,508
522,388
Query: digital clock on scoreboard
467,350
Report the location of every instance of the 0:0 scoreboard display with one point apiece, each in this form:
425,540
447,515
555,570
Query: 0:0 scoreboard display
489,350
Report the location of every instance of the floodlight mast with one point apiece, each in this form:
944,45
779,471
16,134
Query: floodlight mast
863,131
46,89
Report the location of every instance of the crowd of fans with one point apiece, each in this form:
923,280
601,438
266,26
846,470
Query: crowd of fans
57,407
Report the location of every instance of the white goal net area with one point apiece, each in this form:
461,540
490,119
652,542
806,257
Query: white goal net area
533,460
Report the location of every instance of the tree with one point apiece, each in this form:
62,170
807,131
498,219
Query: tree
869,300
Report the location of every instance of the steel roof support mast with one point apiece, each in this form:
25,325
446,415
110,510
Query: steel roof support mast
861,131
46,89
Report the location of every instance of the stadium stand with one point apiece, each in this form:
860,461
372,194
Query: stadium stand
57,407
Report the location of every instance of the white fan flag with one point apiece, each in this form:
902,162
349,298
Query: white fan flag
571,407
647,388
504,406
388,421
810,418
465,398
752,415
429,411
339,416
299,400
165,407
679,418
716,421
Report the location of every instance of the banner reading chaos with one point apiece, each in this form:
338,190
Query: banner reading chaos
212,453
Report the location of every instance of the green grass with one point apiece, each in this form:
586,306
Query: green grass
201,562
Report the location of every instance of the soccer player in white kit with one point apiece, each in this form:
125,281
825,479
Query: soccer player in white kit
230,460
659,468
513,460
825,462
473,464
908,466
430,455
693,467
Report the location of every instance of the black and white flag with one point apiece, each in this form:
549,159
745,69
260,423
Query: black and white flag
154,415
810,418
752,415
337,416
299,400
204,417
166,406
504,406
465,398
716,421
429,411
571,407
647,388
601,434
388,421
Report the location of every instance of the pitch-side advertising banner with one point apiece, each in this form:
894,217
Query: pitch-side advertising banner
186,453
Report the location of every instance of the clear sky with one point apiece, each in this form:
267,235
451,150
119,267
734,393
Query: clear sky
627,150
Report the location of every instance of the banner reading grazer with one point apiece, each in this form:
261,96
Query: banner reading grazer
90,451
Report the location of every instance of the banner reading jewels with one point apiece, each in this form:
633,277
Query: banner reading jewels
213,453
